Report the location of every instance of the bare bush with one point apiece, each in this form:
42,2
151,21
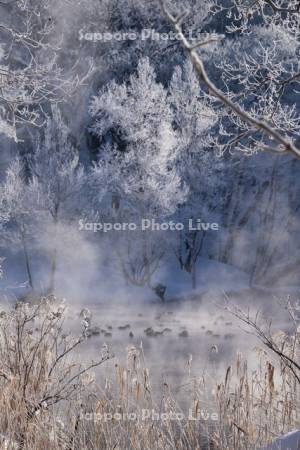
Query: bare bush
37,370
285,345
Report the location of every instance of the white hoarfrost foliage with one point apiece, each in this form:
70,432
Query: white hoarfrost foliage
17,202
144,164
56,174
19,208
252,122
31,75
7,129
193,114
258,77
193,120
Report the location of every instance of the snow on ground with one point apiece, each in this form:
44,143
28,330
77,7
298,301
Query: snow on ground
211,275
289,442
86,280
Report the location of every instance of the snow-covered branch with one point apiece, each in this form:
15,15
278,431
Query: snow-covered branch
31,75
284,144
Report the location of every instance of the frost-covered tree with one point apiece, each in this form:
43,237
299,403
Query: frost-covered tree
30,75
262,78
140,150
155,149
41,195
251,76
262,120
200,168
57,181
142,163
19,211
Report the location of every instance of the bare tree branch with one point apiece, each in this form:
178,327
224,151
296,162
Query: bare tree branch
285,145
277,8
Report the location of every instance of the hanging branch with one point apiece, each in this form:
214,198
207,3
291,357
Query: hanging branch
285,145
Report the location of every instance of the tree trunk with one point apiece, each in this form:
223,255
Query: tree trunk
194,276
27,262
53,272
54,256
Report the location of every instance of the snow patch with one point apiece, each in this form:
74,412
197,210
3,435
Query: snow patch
291,441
